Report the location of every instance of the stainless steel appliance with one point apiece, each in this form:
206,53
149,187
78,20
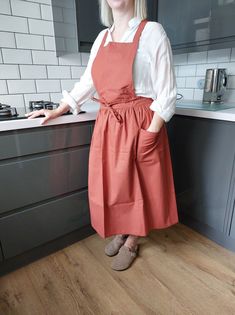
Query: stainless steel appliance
215,85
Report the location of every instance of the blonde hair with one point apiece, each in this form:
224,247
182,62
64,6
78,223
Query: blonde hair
106,16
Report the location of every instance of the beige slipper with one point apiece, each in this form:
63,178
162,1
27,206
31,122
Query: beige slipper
113,247
124,258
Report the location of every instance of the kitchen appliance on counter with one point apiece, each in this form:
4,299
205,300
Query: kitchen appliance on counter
8,112
216,80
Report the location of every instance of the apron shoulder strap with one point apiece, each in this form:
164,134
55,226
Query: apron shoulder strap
104,39
139,31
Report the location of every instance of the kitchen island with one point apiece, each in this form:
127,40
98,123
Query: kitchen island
44,173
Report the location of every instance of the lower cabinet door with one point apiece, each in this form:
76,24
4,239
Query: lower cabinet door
35,226
232,229
1,257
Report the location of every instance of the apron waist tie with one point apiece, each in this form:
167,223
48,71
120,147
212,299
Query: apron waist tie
115,113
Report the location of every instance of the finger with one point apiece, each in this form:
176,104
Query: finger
45,120
29,114
35,114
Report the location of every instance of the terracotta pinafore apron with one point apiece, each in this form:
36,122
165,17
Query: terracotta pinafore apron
130,179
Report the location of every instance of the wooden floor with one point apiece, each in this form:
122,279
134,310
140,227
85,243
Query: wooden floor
178,271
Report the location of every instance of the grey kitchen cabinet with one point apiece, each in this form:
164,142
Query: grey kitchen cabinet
42,223
231,205
198,25
1,256
232,230
203,152
44,184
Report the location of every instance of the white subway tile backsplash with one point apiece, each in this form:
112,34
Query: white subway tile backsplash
56,97
46,12
187,70
197,57
191,82
70,59
13,24
36,97
187,93
41,27
21,86
26,9
229,66
33,72
230,95
69,15
29,65
180,81
77,72
198,94
219,55
7,40
201,69
60,44
69,4
71,44
65,30
57,14
85,58
3,87
9,72
5,7
58,72
233,54
180,59
28,41
49,42
48,2
13,100
48,86
231,82
17,56
44,57
68,84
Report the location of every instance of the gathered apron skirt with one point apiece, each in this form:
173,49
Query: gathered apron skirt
130,179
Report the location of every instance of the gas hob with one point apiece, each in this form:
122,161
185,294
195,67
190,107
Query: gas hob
8,112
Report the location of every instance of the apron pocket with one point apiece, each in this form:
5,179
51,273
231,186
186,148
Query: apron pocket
147,145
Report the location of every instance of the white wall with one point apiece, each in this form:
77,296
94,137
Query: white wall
30,70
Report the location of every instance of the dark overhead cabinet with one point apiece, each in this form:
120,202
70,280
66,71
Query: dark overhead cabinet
190,25
88,23
198,25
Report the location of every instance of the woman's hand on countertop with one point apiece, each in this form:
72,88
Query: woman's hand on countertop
49,113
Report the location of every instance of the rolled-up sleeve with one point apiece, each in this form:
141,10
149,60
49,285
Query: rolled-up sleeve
163,79
84,89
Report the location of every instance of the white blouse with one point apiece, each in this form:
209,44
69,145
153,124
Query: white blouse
153,70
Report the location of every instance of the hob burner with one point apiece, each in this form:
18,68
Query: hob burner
7,111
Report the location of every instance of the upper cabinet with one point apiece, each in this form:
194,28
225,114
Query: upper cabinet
198,25
89,24
190,25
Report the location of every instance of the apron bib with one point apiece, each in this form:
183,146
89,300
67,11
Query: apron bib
130,178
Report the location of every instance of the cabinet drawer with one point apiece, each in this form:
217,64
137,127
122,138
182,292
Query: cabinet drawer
35,179
36,140
40,224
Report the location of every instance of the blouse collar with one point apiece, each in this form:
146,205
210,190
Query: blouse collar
132,23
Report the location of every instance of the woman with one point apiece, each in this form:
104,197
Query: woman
130,182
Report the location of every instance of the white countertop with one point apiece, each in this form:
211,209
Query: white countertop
202,110
92,107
